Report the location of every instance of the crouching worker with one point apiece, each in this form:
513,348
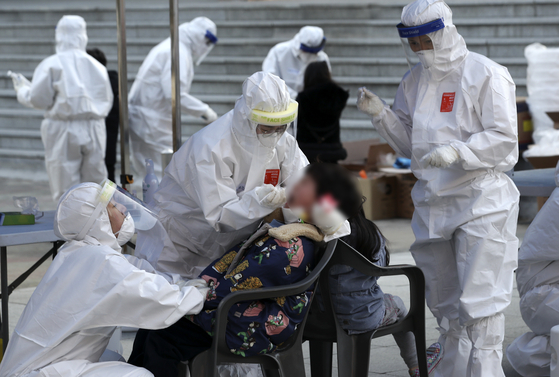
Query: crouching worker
90,288
275,255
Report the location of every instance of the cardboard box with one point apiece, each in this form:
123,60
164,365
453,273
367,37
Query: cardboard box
404,203
365,154
555,118
380,192
544,162
524,124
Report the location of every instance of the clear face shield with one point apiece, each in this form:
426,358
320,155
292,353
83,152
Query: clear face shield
308,53
270,127
210,40
418,44
135,213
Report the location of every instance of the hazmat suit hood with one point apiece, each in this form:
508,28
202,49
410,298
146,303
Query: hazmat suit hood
75,208
261,91
311,36
193,35
449,46
71,34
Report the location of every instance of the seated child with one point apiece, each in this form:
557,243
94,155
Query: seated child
360,304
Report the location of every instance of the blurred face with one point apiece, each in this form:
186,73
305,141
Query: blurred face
116,216
303,195
421,43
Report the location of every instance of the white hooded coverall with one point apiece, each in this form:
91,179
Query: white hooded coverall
76,93
537,280
207,199
88,290
465,215
149,101
289,62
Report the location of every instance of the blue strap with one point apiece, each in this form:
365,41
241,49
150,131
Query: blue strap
211,37
416,31
313,50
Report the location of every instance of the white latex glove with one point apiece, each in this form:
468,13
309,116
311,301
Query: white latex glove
442,157
368,102
271,196
209,116
198,283
18,80
204,291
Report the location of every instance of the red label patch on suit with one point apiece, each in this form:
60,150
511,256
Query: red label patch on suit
272,177
447,103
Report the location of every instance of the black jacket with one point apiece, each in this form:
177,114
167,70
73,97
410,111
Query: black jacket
318,123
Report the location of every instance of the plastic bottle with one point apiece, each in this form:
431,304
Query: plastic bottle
150,183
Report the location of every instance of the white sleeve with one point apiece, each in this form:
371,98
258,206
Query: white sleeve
143,264
395,125
143,299
193,105
490,147
40,94
215,192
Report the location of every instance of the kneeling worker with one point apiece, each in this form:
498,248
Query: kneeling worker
90,288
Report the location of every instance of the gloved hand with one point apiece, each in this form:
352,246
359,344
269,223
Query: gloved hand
204,291
368,102
442,157
209,116
18,80
271,196
198,283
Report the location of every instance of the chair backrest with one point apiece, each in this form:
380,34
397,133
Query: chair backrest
219,344
348,256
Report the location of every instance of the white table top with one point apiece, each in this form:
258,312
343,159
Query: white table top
41,231
537,182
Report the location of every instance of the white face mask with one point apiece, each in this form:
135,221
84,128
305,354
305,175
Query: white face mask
426,57
126,230
270,140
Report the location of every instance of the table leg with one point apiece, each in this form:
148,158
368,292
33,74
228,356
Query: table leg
5,295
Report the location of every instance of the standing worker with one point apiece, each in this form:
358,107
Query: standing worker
151,131
75,92
454,115
537,279
112,120
227,177
290,59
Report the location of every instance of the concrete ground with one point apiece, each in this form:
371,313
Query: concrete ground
385,358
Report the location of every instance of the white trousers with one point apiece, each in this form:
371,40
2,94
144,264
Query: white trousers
74,153
469,281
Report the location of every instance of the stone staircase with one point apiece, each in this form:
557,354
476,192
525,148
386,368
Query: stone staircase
362,43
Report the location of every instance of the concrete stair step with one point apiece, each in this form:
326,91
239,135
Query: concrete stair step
517,27
223,10
238,65
241,47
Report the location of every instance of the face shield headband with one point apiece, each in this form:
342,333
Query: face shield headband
313,50
417,31
127,204
275,119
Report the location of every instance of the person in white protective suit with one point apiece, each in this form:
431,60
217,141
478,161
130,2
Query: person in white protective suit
290,59
226,178
90,288
149,100
454,115
537,280
75,92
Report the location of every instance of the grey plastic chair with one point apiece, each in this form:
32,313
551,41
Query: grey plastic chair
354,350
285,361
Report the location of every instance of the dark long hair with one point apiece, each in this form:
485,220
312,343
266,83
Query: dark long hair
317,73
335,180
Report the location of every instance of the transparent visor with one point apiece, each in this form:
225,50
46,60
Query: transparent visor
418,45
210,40
113,196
